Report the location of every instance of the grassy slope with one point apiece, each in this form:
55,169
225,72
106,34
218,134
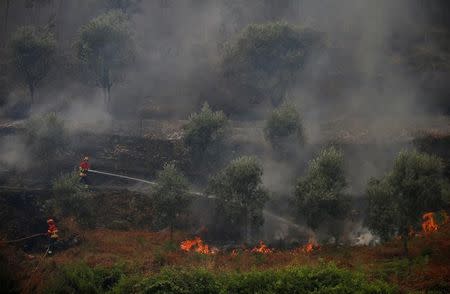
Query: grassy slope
144,253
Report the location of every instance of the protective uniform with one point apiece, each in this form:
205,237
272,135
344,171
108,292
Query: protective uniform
52,233
83,169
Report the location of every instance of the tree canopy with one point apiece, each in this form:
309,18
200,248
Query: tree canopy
397,201
265,58
240,196
205,132
32,52
170,197
284,127
105,45
320,194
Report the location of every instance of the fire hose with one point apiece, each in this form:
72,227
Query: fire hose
23,239
120,176
143,181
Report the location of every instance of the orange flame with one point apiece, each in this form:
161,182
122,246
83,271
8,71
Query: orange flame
262,248
311,246
196,245
429,224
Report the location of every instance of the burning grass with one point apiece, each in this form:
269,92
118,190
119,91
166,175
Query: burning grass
145,253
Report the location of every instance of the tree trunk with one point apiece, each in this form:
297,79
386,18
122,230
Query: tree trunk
171,232
405,244
31,87
247,227
6,20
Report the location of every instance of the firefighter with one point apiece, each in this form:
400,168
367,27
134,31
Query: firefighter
84,168
52,233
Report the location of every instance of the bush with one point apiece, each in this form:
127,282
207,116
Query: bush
80,278
71,199
284,128
324,279
205,133
181,281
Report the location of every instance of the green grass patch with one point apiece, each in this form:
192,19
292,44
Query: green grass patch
80,278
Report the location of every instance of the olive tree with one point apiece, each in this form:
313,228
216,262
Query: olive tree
397,201
70,199
264,59
105,46
205,133
32,51
240,197
284,128
170,197
320,195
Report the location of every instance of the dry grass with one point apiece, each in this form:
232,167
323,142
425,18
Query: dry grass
146,252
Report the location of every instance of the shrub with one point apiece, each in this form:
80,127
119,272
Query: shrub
70,199
324,279
80,278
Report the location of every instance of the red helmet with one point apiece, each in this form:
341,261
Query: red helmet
50,221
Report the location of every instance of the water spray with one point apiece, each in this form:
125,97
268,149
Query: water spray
121,176
200,194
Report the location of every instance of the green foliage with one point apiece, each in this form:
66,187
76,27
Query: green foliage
32,52
46,136
284,127
205,133
181,281
71,199
415,185
324,279
320,194
105,46
80,278
265,58
170,198
240,195
400,268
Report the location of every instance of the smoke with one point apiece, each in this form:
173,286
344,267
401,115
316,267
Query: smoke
13,154
360,90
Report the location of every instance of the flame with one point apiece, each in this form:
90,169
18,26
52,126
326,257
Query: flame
429,224
197,245
311,246
262,248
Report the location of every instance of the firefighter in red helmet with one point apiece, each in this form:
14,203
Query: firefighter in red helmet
84,169
52,233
